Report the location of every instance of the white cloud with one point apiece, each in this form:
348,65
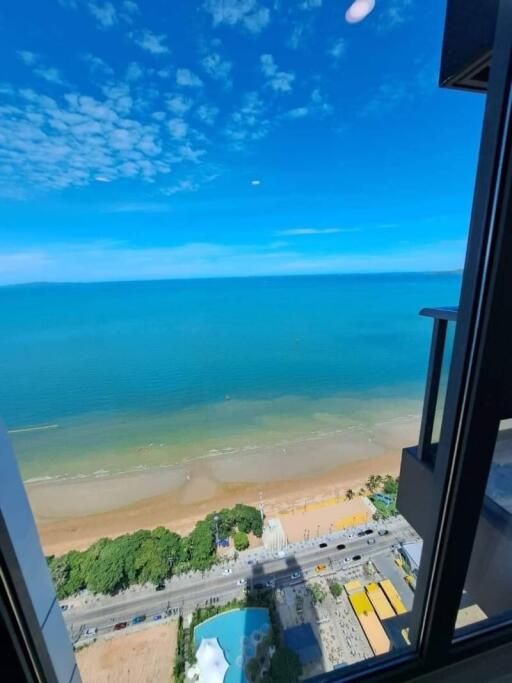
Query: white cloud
388,96
297,113
105,13
98,65
280,81
188,78
394,13
49,74
151,42
297,232
248,13
216,67
207,113
27,57
178,128
338,49
178,104
320,103
134,72
187,185
137,207
310,4
249,122
130,6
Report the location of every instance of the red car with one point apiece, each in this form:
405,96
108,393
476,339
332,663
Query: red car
120,625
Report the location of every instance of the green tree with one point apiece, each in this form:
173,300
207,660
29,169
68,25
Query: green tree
241,540
317,593
248,519
349,494
335,589
106,574
390,485
202,546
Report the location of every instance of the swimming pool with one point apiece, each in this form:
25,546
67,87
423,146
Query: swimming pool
238,632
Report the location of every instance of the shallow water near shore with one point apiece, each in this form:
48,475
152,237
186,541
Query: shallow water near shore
105,379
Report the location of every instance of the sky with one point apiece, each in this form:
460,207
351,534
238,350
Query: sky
204,138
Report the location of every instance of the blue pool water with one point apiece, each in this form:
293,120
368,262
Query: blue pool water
238,633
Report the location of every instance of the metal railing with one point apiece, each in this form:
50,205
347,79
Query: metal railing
441,316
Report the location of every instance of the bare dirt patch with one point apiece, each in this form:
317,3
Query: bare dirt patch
146,656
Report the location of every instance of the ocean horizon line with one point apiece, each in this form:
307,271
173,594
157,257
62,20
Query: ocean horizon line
198,278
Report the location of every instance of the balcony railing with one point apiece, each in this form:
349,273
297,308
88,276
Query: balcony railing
441,317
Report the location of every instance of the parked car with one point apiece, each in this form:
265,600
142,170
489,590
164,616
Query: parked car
120,625
259,586
160,587
346,560
320,568
356,558
368,532
227,571
90,632
157,617
139,619
64,607
296,575
270,584
370,541
323,545
340,546
383,532
241,582
361,533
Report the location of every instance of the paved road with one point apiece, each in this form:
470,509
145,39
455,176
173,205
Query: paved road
185,593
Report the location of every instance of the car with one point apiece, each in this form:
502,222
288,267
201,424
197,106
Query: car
320,568
157,617
323,545
139,619
258,586
370,541
90,632
241,582
340,546
296,575
356,558
160,587
361,533
64,607
383,532
120,625
227,572
346,560
368,532
270,584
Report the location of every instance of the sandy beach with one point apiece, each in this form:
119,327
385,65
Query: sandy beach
74,513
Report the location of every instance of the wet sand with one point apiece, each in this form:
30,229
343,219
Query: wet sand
75,513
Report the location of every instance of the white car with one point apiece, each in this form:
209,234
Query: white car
241,582
91,632
346,560
227,572
295,575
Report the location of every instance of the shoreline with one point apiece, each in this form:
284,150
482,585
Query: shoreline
73,514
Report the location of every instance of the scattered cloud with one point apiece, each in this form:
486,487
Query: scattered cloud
297,113
310,4
394,13
27,57
178,128
188,78
217,68
97,65
388,96
178,104
104,13
279,81
249,14
249,122
297,232
207,113
151,42
338,49
187,185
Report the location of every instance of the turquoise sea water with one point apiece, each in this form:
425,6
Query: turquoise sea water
153,372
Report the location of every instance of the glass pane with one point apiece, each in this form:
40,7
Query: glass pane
220,221
486,598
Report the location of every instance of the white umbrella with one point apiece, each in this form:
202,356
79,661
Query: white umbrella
211,661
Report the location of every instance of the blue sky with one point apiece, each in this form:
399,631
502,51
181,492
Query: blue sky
228,137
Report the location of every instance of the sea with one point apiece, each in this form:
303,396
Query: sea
97,379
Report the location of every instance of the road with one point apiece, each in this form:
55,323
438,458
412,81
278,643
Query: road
184,593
